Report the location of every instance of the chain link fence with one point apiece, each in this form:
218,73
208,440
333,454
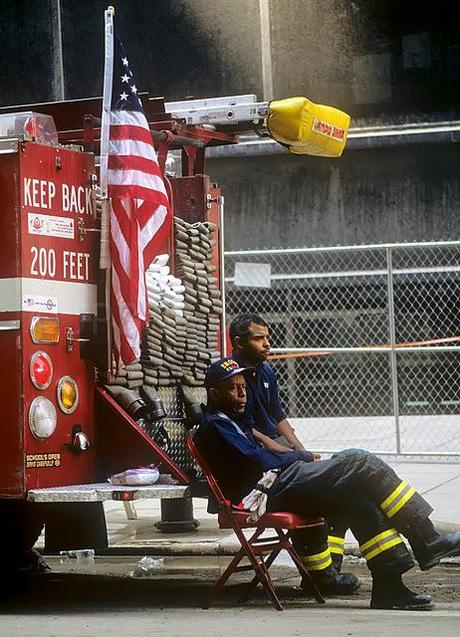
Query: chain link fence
366,341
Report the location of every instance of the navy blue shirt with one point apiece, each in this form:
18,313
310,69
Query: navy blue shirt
234,456
264,405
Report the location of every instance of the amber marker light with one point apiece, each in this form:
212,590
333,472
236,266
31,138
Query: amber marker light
44,329
67,394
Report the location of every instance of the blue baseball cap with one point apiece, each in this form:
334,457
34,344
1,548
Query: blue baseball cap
221,370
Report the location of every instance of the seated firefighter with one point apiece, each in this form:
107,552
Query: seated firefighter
355,485
323,552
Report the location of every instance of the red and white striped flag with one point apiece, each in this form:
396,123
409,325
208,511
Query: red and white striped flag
130,175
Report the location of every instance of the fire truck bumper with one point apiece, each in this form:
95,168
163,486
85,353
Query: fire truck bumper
101,492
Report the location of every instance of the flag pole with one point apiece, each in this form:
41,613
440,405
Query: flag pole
105,260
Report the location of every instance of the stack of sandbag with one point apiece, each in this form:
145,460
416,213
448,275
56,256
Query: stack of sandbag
164,339
130,376
202,299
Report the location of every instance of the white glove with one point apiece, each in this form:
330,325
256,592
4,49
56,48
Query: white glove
256,501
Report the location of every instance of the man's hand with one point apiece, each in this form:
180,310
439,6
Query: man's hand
305,456
316,456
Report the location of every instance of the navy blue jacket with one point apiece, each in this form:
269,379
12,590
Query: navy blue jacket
235,458
264,405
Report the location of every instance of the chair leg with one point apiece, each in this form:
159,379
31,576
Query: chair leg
267,563
303,571
262,576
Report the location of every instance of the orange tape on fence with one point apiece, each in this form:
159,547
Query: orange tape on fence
452,339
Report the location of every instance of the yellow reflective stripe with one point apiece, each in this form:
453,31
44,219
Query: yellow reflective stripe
318,561
383,547
377,538
395,508
336,544
320,566
336,550
393,495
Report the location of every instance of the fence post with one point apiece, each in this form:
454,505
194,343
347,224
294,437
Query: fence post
393,359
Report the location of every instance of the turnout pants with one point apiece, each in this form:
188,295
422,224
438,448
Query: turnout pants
363,492
320,547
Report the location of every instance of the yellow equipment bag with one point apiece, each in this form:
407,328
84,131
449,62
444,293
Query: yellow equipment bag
307,128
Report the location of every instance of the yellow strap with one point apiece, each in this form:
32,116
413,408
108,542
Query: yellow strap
319,566
336,550
394,509
394,494
383,547
377,538
318,561
336,544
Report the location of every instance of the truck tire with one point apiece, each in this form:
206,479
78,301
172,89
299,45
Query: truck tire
20,528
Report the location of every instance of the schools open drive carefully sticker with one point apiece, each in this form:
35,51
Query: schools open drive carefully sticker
51,226
43,460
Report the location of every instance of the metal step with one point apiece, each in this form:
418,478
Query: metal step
103,491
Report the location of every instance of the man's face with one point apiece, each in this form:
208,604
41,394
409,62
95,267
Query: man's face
255,347
230,394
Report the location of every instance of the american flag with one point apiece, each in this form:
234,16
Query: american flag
140,207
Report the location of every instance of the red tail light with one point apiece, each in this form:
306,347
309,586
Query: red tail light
41,370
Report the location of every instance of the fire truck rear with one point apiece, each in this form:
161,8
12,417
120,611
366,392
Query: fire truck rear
67,426
65,432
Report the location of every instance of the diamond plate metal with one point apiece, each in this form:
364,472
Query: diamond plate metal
103,491
174,424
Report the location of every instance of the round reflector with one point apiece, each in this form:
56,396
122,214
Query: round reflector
41,370
67,394
42,417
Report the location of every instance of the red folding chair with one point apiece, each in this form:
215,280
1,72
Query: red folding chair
261,552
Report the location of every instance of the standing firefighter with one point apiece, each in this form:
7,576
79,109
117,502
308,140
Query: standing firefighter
323,553
354,484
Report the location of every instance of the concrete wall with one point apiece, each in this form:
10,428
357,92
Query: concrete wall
409,193
27,52
381,60
177,48
375,58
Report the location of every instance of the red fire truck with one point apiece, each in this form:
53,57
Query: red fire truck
63,433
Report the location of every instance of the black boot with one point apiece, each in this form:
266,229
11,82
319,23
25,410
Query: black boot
331,583
337,559
429,546
389,593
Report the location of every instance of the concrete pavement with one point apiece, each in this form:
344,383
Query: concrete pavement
85,598
78,599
